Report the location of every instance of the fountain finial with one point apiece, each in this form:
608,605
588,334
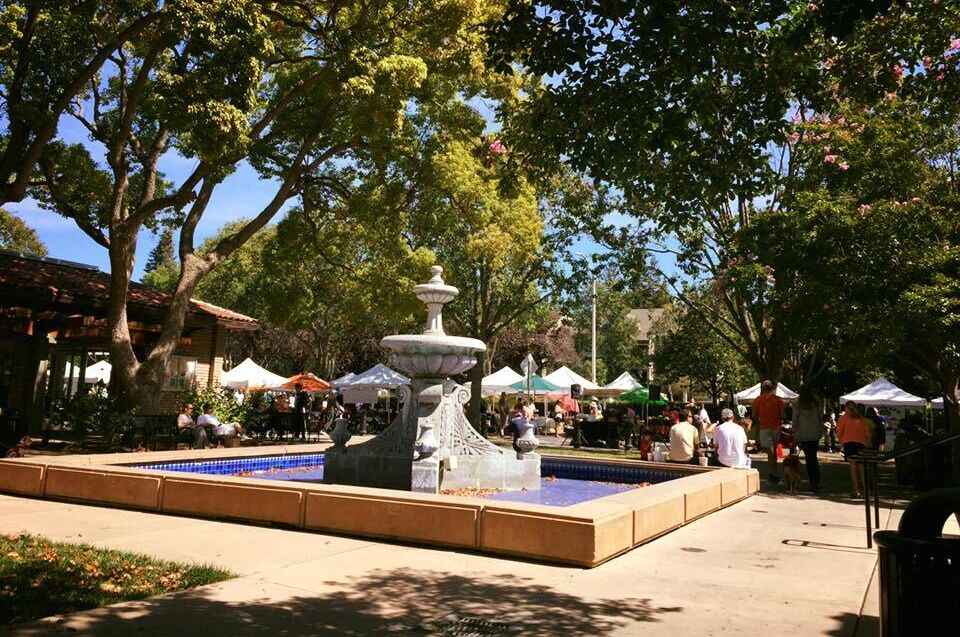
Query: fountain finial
435,294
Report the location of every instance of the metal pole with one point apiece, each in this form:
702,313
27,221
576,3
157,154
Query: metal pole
876,495
593,347
866,503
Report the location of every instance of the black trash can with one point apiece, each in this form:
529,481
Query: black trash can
920,569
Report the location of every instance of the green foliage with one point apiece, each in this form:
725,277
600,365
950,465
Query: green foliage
225,406
41,578
685,350
93,413
17,236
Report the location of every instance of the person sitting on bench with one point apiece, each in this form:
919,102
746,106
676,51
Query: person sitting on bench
188,430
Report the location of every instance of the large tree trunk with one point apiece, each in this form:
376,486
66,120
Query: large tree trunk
122,357
949,384
473,407
152,372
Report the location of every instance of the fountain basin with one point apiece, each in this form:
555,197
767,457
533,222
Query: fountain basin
432,355
584,534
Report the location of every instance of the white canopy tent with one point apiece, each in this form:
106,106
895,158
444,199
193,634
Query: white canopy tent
343,380
565,377
249,374
749,395
497,382
377,377
364,387
937,404
883,393
96,373
624,382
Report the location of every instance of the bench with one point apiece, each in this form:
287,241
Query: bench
153,432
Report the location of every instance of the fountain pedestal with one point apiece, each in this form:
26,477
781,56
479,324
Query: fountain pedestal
431,445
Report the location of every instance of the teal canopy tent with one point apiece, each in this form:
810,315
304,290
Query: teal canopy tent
538,385
640,396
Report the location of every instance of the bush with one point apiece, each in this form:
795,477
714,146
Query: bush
93,413
225,405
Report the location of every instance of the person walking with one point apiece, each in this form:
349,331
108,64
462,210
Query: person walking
768,409
854,438
830,430
807,431
301,403
504,410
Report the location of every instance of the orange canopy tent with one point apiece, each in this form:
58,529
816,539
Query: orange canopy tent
309,382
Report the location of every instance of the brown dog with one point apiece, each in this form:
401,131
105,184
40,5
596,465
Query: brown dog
17,450
791,472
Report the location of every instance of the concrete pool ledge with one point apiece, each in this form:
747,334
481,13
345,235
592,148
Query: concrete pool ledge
585,534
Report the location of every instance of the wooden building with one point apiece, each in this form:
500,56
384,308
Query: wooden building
53,328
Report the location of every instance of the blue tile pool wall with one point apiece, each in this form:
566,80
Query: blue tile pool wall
597,472
230,466
567,469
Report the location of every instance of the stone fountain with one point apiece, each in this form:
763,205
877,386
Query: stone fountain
431,445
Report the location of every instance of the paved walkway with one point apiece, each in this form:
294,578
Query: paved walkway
795,565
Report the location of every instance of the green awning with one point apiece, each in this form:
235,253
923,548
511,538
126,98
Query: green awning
640,396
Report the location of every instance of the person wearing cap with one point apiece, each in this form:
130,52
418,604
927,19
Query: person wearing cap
731,442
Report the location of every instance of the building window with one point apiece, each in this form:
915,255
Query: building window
182,372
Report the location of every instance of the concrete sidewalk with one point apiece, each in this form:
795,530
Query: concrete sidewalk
794,564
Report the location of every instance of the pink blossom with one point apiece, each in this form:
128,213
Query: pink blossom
795,118
841,120
898,70
915,200
955,43
830,159
927,61
794,138
843,165
940,77
864,208
812,7
826,150
497,148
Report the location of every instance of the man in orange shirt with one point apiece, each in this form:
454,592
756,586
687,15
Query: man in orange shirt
768,408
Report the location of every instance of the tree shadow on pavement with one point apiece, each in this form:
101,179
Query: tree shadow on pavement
396,601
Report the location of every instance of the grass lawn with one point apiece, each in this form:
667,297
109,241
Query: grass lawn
39,578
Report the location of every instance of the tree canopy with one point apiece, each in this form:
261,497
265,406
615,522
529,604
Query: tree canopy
17,236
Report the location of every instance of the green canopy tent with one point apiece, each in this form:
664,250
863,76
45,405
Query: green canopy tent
641,396
538,387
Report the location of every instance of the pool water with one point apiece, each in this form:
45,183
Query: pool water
565,481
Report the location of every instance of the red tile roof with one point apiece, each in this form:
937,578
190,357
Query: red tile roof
52,281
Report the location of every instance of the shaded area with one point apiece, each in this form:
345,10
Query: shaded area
394,601
853,625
